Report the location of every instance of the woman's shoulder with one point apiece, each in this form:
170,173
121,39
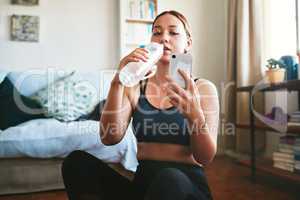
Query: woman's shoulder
206,86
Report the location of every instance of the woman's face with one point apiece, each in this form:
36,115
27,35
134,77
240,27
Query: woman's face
169,31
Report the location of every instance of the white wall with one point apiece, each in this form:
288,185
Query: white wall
207,19
73,33
84,34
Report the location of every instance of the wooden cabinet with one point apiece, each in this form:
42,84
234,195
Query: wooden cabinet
136,18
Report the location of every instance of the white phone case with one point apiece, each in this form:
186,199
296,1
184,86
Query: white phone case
180,61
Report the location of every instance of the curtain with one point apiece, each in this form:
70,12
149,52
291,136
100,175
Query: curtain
243,68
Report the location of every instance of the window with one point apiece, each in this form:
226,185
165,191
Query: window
280,28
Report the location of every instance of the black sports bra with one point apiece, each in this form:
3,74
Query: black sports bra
151,124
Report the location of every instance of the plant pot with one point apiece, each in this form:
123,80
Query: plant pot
275,75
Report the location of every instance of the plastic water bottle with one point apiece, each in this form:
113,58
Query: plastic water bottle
134,72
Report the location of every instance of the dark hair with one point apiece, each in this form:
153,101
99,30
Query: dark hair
179,16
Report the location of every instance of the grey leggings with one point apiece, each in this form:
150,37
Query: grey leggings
87,177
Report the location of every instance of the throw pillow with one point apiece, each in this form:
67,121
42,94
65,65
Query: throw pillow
12,113
68,98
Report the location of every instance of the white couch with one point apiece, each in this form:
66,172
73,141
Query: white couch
31,153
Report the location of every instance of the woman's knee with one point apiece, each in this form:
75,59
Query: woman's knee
171,176
169,183
72,160
79,163
82,162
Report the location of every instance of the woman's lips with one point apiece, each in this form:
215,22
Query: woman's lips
167,50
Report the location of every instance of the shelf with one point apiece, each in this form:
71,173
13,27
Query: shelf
291,128
266,166
291,85
136,18
141,21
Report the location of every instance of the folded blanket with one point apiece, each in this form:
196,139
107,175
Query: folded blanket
48,138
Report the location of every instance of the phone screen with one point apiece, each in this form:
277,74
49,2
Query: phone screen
180,61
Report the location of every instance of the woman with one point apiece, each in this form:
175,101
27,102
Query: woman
175,129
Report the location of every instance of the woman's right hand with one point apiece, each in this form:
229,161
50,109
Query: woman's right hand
139,54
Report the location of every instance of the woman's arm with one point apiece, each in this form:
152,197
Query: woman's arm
118,106
200,105
115,114
205,123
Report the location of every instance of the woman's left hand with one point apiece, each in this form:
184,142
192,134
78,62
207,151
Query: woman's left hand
186,100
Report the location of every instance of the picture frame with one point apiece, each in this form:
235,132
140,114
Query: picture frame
25,28
25,2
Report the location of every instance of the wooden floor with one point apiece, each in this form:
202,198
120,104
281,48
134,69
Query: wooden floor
227,179
231,181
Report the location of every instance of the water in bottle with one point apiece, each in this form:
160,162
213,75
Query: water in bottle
134,72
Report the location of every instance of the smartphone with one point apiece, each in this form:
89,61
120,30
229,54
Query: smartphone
180,61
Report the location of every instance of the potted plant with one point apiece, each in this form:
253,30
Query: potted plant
276,70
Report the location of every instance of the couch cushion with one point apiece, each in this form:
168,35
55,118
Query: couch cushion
14,107
30,81
26,175
68,98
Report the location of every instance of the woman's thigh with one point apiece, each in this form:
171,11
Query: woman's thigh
167,180
172,183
